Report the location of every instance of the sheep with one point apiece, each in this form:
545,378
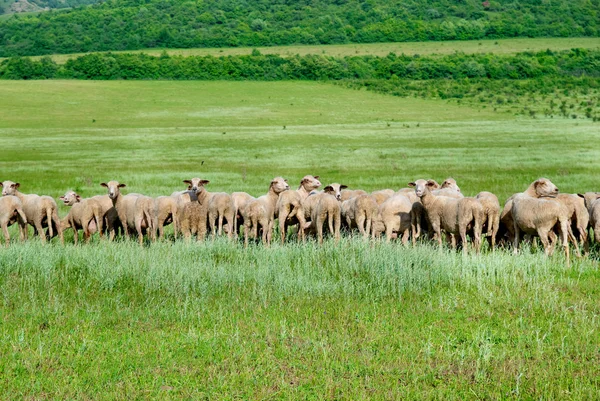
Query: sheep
193,216
542,187
395,217
328,209
85,214
135,211
109,215
289,206
189,195
311,202
491,215
351,193
579,219
41,211
360,212
11,211
261,211
220,206
538,216
165,213
419,218
449,188
239,202
592,203
452,215
382,195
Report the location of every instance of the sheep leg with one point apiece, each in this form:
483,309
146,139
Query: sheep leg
270,224
360,223
573,241
301,224
320,229
230,225
40,231
337,225
246,231
405,236
283,215
463,239
5,232
389,231
49,222
138,228
516,238
330,223
212,223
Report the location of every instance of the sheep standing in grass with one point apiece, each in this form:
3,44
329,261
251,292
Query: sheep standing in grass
328,208
41,211
85,214
419,218
360,212
11,211
165,213
394,217
135,211
261,212
221,207
592,203
193,216
579,219
454,216
491,215
240,199
289,206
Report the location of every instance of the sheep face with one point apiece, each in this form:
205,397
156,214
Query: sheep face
195,183
310,183
450,183
279,184
422,186
335,190
113,188
589,198
9,187
70,198
545,188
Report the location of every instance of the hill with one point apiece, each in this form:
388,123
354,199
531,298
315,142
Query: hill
136,24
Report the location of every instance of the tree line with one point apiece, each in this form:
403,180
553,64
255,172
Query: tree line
136,24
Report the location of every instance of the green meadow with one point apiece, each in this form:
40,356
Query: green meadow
354,320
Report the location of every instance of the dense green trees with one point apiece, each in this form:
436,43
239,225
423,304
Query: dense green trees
135,24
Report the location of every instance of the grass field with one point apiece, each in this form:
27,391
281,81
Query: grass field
500,46
354,320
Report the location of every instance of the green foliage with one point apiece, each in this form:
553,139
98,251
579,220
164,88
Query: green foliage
135,24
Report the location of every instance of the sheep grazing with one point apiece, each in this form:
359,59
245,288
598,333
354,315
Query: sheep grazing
41,211
491,215
579,219
85,214
261,211
328,208
289,206
382,195
452,215
395,218
239,202
351,193
165,213
592,203
11,211
193,216
135,211
360,212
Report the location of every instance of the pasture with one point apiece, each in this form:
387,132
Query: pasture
354,320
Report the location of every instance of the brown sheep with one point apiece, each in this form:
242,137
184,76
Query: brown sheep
11,211
261,211
85,214
452,215
328,208
221,206
41,211
193,216
165,213
491,215
289,206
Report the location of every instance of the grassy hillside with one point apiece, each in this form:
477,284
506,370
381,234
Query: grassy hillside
23,6
131,24
354,320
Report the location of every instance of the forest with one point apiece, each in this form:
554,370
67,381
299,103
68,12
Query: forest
138,24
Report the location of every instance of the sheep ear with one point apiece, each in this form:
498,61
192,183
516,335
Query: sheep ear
303,181
121,185
16,185
285,180
204,182
1,185
343,186
316,177
187,182
104,184
62,198
78,198
430,183
581,196
412,184
328,188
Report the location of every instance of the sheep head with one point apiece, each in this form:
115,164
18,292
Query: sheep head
278,185
9,187
450,183
335,189
195,183
70,198
310,182
114,188
542,188
423,186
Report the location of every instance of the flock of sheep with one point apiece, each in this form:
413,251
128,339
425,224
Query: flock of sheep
427,209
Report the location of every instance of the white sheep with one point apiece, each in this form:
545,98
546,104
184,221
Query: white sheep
11,211
260,213
289,206
491,215
85,214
